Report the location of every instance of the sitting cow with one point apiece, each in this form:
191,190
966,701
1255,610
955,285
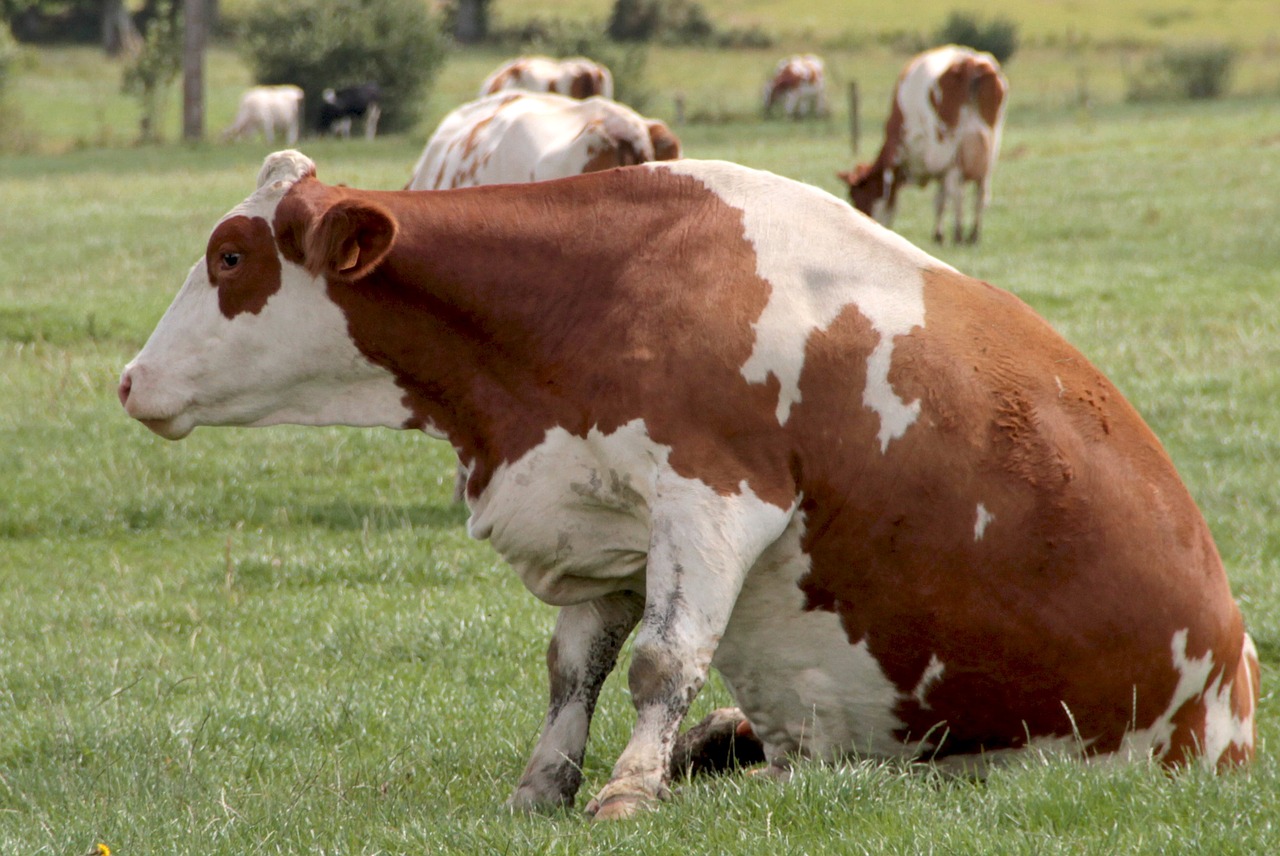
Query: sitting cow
576,77
945,125
799,83
339,106
531,136
897,511
268,109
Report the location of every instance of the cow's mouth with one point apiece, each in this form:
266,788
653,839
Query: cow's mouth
170,428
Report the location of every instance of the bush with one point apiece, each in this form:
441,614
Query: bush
153,68
317,44
673,22
1201,71
999,36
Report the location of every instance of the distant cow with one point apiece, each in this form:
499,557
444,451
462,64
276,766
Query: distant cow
268,109
532,136
338,107
576,77
799,83
945,125
898,512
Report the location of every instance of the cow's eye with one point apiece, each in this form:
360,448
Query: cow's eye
230,260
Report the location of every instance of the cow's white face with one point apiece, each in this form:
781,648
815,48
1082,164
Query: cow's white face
252,338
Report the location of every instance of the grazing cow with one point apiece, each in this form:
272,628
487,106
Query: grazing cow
899,513
945,125
799,82
268,109
576,77
338,107
531,136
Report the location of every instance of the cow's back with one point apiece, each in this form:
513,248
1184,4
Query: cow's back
523,136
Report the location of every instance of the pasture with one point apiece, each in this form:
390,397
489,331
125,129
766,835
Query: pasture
282,641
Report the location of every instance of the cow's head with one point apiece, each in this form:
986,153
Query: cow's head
252,337
871,190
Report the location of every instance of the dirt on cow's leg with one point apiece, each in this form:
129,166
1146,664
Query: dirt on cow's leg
721,743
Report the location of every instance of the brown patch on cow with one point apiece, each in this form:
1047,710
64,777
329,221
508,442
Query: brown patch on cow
242,265
503,78
666,145
498,331
1045,625
585,84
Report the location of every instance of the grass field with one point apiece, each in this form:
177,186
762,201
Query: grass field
281,641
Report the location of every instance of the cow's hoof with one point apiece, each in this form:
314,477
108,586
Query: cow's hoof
527,801
620,806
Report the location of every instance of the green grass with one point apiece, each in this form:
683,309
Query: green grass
1247,21
281,641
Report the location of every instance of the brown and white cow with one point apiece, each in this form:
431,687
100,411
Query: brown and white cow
576,77
899,514
944,125
267,109
533,136
800,84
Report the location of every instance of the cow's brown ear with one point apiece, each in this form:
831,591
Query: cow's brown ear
349,239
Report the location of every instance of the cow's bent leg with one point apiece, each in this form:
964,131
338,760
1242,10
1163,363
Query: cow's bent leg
583,650
701,548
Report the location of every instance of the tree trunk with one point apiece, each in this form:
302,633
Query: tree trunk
472,22
195,34
119,35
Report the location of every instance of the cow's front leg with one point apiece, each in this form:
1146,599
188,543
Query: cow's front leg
702,546
583,650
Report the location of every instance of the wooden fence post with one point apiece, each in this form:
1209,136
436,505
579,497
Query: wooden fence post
855,129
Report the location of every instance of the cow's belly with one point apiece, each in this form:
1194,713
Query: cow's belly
802,685
571,516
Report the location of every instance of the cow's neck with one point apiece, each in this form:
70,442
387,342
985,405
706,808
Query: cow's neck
482,296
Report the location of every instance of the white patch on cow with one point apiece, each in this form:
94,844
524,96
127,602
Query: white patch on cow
932,673
801,683
845,260
1062,387
575,516
980,525
1222,727
292,362
571,515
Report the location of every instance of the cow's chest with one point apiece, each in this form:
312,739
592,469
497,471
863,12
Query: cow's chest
571,515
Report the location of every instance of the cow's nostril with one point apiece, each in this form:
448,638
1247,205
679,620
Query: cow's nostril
126,384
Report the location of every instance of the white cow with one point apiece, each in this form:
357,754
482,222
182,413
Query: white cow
268,109
577,77
532,136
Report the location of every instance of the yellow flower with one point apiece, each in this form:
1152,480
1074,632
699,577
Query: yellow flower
99,849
